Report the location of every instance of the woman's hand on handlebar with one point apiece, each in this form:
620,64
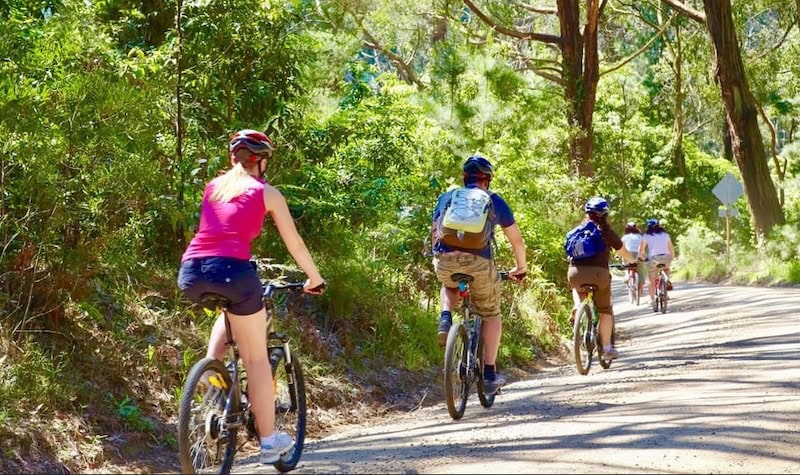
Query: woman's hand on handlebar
315,287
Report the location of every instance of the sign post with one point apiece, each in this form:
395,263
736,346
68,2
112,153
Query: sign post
728,190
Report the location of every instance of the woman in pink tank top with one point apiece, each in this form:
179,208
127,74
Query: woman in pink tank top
217,260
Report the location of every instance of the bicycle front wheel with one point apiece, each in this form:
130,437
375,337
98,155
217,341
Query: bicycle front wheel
290,405
205,442
456,378
582,338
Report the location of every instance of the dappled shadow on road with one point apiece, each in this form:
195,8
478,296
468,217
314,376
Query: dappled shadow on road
654,399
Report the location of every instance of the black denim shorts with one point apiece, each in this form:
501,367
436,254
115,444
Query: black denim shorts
236,279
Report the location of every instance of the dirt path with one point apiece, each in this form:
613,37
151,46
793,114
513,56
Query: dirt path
713,386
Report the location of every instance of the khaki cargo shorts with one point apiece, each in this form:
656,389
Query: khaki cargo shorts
484,290
652,270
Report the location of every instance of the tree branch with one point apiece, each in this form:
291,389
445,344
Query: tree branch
697,127
774,148
643,48
777,45
509,31
688,11
404,68
544,11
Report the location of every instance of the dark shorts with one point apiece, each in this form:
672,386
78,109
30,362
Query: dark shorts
236,279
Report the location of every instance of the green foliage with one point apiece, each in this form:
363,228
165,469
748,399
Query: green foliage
96,203
701,255
34,379
132,416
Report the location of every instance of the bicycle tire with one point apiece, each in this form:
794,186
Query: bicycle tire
290,405
582,338
656,297
213,429
632,289
487,400
663,296
456,384
605,364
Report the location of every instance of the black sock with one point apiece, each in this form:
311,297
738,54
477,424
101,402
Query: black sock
446,315
488,372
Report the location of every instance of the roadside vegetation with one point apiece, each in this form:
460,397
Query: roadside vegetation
99,192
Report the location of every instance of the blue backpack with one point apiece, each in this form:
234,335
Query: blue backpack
584,241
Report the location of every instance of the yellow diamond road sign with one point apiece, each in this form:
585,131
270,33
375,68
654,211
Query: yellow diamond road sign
728,190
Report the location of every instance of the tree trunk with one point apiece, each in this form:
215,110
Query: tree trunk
580,74
179,231
727,144
678,156
742,117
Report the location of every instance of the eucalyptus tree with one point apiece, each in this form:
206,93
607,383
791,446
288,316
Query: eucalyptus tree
770,43
742,111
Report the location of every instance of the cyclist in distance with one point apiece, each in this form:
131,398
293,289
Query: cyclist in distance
217,260
632,239
477,261
658,245
594,270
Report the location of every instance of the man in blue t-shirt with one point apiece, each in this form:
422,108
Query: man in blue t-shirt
485,288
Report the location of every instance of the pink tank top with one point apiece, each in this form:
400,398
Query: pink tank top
227,229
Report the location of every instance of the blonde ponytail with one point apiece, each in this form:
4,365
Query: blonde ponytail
232,184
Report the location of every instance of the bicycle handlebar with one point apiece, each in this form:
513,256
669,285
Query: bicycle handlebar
632,265
505,275
275,285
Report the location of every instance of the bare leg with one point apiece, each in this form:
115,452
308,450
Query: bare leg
492,332
250,333
606,326
449,297
217,340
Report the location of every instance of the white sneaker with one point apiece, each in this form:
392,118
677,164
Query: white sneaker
276,445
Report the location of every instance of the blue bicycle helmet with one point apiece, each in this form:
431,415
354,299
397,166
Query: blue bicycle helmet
651,223
478,166
598,206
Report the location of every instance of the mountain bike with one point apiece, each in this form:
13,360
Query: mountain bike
662,283
586,332
463,354
214,405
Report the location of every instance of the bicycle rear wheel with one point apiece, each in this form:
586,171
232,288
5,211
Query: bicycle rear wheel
290,404
663,297
486,399
582,338
605,364
657,297
205,443
633,289
456,382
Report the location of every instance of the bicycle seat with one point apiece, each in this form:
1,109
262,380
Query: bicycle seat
588,288
459,277
661,266
214,301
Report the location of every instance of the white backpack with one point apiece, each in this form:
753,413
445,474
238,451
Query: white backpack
466,220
